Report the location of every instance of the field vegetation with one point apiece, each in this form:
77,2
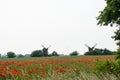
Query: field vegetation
55,68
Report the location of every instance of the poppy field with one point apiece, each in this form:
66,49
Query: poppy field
50,68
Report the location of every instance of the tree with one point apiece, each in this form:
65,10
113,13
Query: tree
111,16
20,55
93,52
75,53
11,54
37,53
99,52
54,53
116,37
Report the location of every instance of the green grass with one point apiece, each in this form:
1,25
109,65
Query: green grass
52,68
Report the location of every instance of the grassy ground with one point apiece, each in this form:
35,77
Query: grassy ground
52,68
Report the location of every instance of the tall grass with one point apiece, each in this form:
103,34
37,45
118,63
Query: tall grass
82,76
53,68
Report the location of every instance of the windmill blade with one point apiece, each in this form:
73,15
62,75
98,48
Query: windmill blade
43,46
86,45
95,44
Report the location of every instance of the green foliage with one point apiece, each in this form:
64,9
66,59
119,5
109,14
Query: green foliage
99,52
54,53
94,52
75,53
37,53
110,14
11,55
118,54
111,67
116,37
20,55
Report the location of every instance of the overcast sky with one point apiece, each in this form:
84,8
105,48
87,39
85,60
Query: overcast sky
66,25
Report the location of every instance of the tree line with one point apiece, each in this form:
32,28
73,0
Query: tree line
41,53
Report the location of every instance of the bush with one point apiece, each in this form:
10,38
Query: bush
94,52
100,52
111,67
11,55
20,55
75,53
37,53
54,53
118,54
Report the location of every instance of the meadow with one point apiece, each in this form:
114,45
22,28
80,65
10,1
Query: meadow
53,68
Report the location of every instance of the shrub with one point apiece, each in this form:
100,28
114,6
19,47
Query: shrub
37,53
111,67
118,54
100,52
54,53
20,55
11,55
94,52
75,53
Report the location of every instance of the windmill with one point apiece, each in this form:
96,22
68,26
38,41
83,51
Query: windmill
45,50
90,48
